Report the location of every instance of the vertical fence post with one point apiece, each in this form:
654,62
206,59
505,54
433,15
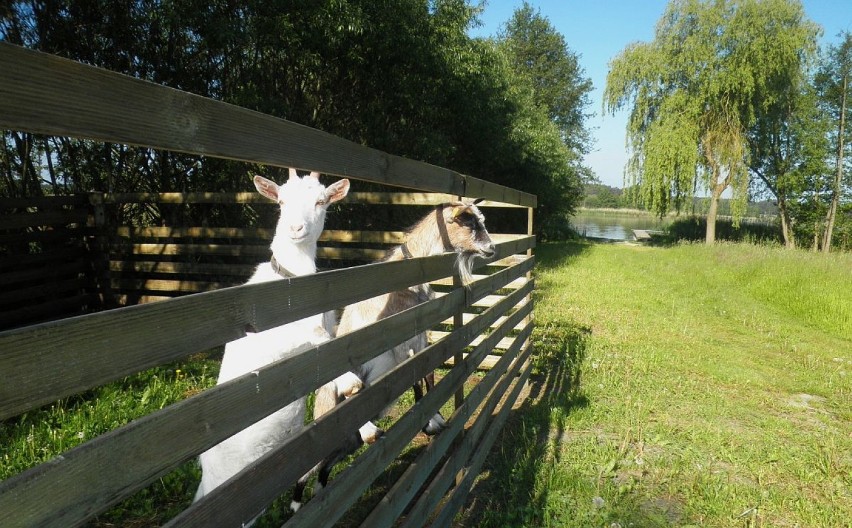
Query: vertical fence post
99,250
530,232
458,322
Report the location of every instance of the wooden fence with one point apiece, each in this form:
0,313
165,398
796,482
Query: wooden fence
46,267
41,363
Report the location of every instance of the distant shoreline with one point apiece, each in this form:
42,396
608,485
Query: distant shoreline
611,211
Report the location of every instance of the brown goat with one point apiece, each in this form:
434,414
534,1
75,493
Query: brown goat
452,227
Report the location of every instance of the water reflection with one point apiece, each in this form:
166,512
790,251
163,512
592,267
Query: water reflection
614,225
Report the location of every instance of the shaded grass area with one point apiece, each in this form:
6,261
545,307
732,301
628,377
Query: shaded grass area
687,385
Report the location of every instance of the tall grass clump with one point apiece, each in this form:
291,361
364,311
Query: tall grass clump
689,385
694,228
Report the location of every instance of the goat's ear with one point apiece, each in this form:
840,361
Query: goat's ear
267,188
337,191
457,211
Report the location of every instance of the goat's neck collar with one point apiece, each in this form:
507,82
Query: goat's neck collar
423,239
279,269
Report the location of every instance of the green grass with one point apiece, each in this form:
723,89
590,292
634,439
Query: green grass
674,386
40,435
688,385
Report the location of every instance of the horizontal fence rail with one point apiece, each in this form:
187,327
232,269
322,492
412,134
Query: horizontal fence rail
46,94
135,297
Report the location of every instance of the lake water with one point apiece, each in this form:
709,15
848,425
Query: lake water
614,225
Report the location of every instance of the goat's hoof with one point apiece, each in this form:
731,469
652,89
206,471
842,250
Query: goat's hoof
348,384
436,425
370,433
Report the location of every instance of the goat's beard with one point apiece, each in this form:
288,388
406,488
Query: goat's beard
464,264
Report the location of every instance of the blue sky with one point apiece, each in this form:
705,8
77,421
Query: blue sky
599,30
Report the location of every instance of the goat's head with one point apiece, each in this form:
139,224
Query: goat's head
467,235
303,202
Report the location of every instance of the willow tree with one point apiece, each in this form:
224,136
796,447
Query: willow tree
695,90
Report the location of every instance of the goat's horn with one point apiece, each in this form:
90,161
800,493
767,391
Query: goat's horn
478,201
293,173
314,175
458,210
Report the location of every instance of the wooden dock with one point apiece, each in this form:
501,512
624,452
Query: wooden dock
644,235
640,235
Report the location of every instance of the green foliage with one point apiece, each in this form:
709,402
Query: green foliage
697,87
402,76
834,85
540,55
692,229
598,196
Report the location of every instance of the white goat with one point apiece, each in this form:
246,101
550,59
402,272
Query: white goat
303,203
456,226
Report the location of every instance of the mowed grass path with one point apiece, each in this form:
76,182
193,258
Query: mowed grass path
681,386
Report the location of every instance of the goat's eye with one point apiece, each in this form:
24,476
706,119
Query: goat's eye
468,220
321,201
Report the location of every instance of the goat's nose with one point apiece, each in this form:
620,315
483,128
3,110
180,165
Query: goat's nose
489,250
295,229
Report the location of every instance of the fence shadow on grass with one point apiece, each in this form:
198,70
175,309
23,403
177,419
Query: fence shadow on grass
503,494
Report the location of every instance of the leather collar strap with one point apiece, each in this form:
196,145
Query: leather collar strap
406,253
281,270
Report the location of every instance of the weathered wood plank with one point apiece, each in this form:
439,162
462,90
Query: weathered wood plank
183,268
326,508
43,201
149,446
405,488
329,235
37,269
458,495
188,198
60,217
53,234
364,198
46,94
40,312
203,421
73,356
143,285
194,232
250,491
258,252
443,480
502,345
57,288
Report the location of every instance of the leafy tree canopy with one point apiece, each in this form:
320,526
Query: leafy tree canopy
402,76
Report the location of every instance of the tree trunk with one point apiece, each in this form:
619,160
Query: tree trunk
710,234
786,224
815,247
838,177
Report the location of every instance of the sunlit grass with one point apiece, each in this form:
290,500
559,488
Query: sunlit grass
42,434
715,388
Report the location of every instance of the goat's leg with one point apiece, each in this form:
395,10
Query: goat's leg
437,423
299,489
